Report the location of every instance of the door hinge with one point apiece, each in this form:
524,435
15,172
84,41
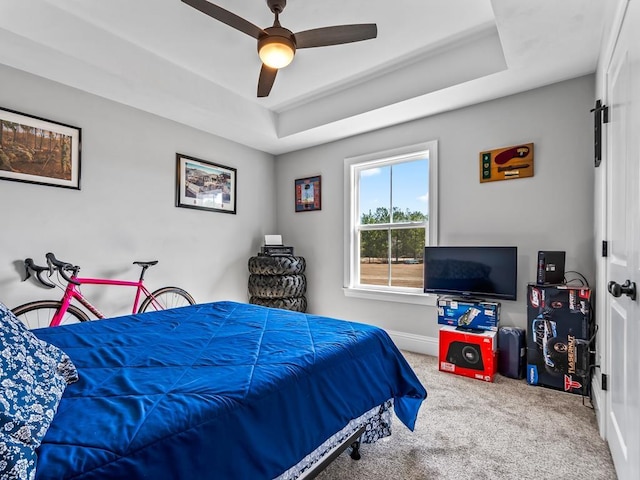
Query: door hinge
605,248
603,381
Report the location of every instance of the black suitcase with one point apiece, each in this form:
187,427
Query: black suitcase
511,352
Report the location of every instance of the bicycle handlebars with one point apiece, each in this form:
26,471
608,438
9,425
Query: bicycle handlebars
30,266
62,267
52,264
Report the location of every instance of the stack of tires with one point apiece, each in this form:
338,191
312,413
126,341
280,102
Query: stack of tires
278,281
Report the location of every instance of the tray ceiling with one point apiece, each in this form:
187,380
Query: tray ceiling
430,56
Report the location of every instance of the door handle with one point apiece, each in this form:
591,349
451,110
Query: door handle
628,288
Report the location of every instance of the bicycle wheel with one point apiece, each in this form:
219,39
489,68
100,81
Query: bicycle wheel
39,314
165,298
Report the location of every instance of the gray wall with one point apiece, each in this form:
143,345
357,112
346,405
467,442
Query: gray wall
125,209
551,211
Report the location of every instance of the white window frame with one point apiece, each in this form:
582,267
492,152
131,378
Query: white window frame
352,166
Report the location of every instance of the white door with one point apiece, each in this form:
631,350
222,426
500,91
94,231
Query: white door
623,234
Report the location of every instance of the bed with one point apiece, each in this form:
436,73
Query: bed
220,390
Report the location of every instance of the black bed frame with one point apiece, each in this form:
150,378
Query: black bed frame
353,442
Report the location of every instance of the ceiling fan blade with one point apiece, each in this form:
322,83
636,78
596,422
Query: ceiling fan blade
225,16
265,82
322,37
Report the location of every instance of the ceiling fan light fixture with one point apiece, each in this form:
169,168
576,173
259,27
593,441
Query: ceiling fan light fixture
276,44
276,51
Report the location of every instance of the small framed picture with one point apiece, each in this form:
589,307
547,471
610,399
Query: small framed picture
36,150
205,185
308,196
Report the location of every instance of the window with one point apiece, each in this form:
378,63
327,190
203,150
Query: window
391,206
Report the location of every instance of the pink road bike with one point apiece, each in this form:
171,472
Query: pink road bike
51,313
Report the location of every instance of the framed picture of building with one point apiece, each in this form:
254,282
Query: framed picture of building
205,185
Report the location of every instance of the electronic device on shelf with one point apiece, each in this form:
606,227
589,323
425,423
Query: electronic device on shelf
550,267
273,246
471,271
276,250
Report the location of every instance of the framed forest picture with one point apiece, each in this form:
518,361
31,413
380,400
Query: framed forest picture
37,150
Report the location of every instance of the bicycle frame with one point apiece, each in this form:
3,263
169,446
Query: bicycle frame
73,292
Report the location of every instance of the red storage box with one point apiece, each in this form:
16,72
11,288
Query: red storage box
470,354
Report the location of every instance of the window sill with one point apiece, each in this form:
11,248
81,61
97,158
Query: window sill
389,296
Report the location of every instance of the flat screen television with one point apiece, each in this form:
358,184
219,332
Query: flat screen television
466,271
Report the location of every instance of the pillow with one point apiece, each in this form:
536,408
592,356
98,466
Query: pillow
17,460
33,376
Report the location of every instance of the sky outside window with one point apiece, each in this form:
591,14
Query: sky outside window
410,187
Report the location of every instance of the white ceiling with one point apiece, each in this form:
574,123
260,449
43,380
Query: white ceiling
167,58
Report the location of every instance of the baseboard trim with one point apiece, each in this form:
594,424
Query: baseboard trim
415,343
597,399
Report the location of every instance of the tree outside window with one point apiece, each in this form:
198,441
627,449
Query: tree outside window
390,219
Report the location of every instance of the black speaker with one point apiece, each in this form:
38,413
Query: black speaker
550,267
465,355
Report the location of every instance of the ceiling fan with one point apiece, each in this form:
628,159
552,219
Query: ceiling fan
277,45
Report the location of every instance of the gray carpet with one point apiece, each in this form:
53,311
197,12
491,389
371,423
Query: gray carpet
469,429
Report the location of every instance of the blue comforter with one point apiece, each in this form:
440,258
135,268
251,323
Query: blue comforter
219,391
